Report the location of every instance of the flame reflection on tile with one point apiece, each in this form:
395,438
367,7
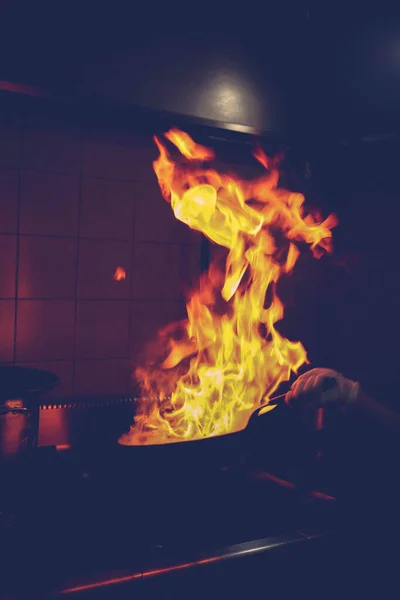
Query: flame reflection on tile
13,430
54,427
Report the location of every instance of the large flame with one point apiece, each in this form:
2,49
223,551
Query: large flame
211,371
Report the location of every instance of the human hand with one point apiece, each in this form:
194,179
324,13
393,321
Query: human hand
308,389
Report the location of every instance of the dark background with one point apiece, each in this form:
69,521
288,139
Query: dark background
294,67
325,79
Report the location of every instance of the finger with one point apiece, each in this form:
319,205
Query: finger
328,372
308,374
289,398
298,390
319,381
302,387
294,387
310,384
293,395
303,377
300,400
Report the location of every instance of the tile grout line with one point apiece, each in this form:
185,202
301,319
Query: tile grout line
17,243
80,177
72,172
72,299
131,286
97,239
67,360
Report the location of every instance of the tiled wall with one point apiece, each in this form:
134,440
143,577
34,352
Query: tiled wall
74,205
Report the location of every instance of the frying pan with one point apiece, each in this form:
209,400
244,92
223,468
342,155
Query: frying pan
277,434
25,383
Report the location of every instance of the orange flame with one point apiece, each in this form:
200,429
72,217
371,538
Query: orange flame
119,274
211,371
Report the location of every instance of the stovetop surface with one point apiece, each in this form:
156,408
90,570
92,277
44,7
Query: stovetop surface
76,510
70,525
69,514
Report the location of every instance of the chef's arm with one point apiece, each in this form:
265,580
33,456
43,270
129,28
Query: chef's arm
378,413
309,390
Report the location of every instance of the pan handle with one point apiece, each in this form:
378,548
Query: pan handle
279,401
320,413
308,477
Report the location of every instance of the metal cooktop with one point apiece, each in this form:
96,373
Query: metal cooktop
78,524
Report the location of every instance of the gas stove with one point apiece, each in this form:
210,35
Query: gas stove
79,522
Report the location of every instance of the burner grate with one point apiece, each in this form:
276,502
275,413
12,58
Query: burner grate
87,402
